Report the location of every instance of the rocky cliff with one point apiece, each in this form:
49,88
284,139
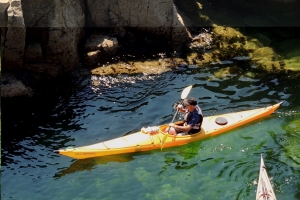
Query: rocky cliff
46,39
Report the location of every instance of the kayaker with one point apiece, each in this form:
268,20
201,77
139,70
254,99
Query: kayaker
192,120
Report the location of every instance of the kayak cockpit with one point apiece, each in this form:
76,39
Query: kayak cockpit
164,131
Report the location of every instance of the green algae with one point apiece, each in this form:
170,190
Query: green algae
291,143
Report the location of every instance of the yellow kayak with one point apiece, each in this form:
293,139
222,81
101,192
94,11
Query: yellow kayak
264,187
151,138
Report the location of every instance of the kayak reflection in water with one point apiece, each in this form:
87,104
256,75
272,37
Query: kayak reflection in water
192,119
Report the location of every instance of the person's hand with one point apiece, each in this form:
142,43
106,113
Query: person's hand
179,107
171,124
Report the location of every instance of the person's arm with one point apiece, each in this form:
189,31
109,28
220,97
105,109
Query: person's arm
194,119
186,128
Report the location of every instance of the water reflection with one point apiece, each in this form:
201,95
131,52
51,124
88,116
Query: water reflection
172,160
90,163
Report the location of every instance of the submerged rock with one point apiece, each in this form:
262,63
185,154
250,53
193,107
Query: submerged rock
156,66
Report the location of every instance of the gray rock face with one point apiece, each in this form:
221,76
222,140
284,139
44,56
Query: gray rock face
15,33
46,37
55,13
157,16
4,4
134,13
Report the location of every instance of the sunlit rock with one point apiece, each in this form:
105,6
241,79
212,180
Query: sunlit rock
98,47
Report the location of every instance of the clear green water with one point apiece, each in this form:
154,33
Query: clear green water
222,167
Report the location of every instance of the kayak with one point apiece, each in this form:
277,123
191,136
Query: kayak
264,187
151,138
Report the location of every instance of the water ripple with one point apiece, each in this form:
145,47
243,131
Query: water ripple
112,106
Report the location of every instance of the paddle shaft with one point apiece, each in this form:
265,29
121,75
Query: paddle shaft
174,117
172,121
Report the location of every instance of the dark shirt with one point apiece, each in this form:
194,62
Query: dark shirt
194,119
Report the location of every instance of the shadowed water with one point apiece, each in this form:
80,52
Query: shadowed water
222,167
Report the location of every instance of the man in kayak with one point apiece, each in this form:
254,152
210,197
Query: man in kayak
192,120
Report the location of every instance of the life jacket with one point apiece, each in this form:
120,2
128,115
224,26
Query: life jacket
188,116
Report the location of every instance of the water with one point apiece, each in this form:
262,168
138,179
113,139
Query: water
222,167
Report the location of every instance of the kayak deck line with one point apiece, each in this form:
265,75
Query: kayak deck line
105,145
264,186
151,138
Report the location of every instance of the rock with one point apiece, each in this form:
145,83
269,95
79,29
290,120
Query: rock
135,13
63,47
54,39
4,4
110,45
202,41
292,63
146,67
100,42
93,57
157,17
98,47
56,14
12,87
180,34
33,52
46,38
14,37
265,54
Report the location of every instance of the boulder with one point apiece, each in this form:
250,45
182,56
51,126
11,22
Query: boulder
98,47
14,37
100,42
93,57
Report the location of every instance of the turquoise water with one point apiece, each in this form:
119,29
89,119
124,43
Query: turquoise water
222,167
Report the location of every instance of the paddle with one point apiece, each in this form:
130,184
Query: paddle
184,94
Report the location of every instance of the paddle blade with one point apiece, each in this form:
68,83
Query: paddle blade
186,92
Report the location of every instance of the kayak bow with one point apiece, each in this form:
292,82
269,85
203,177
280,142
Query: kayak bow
264,187
151,138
